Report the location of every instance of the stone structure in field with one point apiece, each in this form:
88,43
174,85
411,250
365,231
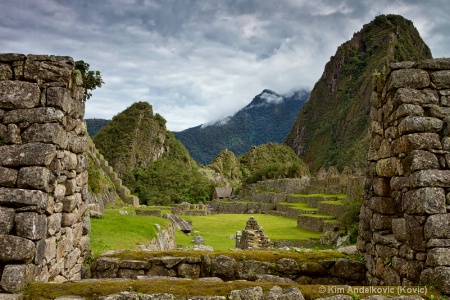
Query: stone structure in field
252,237
44,224
405,217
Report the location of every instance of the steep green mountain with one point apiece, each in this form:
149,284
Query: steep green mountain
94,125
271,161
149,159
268,118
332,127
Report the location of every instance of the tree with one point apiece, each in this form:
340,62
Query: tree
91,79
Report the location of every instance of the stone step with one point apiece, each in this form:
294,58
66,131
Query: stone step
312,222
332,208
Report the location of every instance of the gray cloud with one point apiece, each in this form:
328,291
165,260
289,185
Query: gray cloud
197,61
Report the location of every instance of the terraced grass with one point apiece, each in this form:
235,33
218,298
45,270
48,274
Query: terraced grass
218,230
299,205
339,196
334,202
115,231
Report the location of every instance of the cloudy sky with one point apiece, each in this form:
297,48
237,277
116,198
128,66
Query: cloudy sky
197,61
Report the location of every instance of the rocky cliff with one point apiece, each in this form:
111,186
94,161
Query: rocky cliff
331,129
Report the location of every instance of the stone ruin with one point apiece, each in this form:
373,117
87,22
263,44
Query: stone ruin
252,237
404,228
44,223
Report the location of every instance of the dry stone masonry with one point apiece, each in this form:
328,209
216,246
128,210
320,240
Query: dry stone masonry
405,219
43,171
252,237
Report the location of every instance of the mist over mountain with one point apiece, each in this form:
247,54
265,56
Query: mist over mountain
267,118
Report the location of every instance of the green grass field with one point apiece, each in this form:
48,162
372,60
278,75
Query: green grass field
217,229
115,231
126,232
339,196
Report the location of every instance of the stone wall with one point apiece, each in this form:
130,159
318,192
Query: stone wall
404,220
44,223
326,271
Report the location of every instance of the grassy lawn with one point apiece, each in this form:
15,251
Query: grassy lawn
334,202
216,230
117,231
339,196
299,205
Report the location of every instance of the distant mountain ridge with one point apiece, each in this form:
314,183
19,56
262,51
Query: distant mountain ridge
331,128
267,118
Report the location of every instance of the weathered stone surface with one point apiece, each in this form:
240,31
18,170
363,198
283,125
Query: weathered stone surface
287,266
399,183
39,178
419,124
412,78
405,110
255,293
422,160
8,177
437,227
415,233
312,269
248,269
52,133
59,97
157,270
16,249
48,68
389,167
34,115
424,200
438,277
77,144
134,264
31,225
381,222
399,229
383,205
105,267
20,197
5,72
416,141
413,96
428,178
16,277
25,155
441,79
223,267
7,216
189,270
18,94
434,63
438,257
348,269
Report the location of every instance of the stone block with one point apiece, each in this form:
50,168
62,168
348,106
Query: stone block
50,133
407,110
77,144
434,63
7,216
20,198
416,141
287,266
54,223
189,270
389,167
422,160
412,78
48,68
223,267
382,187
382,205
50,249
8,177
16,277
6,72
381,222
19,94
34,115
399,229
438,257
69,161
68,219
13,136
348,269
399,183
441,79
71,186
438,277
69,203
16,249
40,251
31,225
437,227
39,178
430,178
82,178
426,200
413,96
414,124
25,155
415,233
59,97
